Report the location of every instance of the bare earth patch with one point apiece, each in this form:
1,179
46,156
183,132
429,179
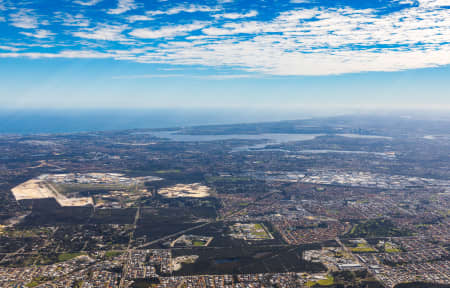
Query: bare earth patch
39,189
195,190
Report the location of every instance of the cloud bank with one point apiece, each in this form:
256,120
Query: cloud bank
301,38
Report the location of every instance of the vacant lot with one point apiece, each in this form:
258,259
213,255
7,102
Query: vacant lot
195,190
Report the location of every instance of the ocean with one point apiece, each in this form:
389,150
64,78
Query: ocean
70,121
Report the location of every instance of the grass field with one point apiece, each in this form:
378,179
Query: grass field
376,228
324,282
199,243
168,171
392,250
67,256
363,248
260,231
389,248
112,254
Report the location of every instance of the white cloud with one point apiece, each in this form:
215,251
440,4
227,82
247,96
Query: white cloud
300,1
136,18
9,48
103,32
88,2
411,38
2,19
63,54
434,3
309,41
167,31
82,54
123,6
251,13
236,28
183,8
41,34
24,18
77,20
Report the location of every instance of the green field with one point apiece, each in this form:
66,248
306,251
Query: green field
363,249
376,228
199,243
258,226
112,254
260,231
168,171
389,248
392,250
324,282
67,256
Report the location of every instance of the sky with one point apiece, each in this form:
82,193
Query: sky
297,54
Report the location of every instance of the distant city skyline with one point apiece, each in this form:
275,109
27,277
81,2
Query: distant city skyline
298,54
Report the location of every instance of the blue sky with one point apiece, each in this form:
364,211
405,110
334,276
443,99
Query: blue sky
225,53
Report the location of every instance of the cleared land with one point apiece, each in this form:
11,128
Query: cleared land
195,190
32,189
39,189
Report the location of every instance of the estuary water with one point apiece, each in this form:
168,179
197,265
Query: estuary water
271,138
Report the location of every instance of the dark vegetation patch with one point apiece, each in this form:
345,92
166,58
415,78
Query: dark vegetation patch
113,216
12,244
376,228
153,231
60,215
240,186
90,237
250,259
160,222
49,214
355,279
163,215
199,207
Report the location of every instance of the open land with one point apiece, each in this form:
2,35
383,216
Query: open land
195,190
39,189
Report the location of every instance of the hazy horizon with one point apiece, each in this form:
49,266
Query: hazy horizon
36,121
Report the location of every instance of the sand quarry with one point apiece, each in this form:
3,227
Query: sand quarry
39,189
195,190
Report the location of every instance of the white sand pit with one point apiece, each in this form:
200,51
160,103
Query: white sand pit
32,189
195,190
39,189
